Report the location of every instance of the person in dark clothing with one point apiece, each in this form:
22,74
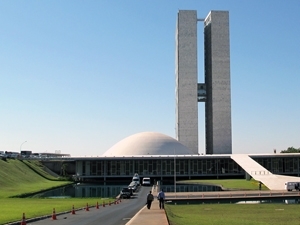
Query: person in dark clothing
150,198
161,198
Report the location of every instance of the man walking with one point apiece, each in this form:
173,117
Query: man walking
150,198
161,198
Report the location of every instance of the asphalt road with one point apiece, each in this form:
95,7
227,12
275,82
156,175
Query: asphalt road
116,214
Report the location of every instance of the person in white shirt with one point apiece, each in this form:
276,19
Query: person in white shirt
161,198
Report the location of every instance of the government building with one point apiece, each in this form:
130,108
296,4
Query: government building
167,159
163,158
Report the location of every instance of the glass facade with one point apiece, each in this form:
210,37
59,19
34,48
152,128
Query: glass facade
186,167
158,167
283,164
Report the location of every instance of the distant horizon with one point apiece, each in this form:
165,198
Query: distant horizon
275,151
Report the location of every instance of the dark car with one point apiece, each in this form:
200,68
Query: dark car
133,186
125,193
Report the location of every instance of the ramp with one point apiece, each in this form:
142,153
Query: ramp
259,173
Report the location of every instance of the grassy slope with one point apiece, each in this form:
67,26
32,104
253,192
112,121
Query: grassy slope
40,169
16,178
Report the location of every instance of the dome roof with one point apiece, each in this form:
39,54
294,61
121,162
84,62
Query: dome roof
148,143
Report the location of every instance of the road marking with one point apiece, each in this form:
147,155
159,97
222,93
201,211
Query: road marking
126,218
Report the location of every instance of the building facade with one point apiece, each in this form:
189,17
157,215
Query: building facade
186,80
164,168
215,92
217,81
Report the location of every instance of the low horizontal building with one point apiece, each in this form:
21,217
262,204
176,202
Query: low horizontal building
164,158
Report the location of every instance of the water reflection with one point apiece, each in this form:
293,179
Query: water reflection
273,201
221,201
106,191
82,190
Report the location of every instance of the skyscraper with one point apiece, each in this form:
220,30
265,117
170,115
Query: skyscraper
186,80
215,92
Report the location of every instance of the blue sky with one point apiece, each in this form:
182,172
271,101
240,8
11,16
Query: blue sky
79,76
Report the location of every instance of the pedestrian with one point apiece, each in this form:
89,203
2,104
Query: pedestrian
150,198
161,198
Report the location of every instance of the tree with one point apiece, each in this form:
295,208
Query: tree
291,150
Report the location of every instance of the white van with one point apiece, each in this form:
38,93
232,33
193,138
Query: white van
146,181
289,186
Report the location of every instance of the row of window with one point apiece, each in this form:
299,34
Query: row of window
157,167
280,165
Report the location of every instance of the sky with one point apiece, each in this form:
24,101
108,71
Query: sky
80,76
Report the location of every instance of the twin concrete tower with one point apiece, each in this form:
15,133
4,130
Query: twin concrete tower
215,92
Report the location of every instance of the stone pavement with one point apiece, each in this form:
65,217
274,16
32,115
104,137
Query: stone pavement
154,216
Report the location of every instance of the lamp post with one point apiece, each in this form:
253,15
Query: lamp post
21,145
174,173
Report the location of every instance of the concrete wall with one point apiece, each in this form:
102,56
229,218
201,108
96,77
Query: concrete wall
186,80
56,166
217,79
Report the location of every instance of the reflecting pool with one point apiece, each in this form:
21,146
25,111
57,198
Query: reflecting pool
107,191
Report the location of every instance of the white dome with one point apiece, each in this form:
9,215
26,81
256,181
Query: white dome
148,143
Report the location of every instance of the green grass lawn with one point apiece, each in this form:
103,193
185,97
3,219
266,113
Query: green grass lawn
40,169
16,178
232,184
231,214
12,209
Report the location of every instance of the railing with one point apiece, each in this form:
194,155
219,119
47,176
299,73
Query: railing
231,194
261,172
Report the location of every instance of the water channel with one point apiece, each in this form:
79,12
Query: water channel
113,190
105,191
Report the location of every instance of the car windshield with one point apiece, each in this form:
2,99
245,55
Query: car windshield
125,189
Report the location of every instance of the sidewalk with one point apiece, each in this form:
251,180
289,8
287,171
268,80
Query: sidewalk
154,216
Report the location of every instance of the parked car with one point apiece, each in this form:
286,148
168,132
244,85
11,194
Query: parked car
133,186
3,156
12,155
146,181
125,192
136,178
